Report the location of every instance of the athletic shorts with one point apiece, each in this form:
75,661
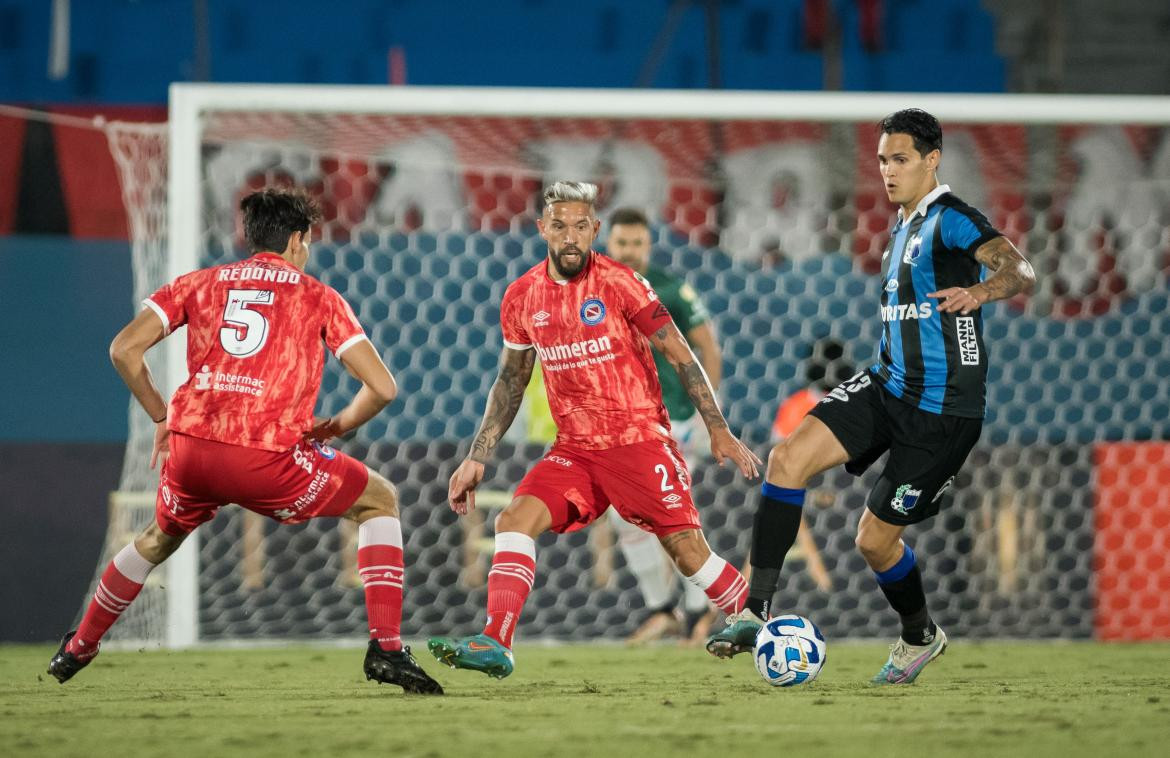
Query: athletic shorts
926,449
646,482
303,482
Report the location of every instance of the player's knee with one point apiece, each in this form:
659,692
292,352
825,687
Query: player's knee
381,496
509,520
785,468
155,545
524,516
873,546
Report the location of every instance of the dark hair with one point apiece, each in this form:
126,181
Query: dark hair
628,216
272,215
922,127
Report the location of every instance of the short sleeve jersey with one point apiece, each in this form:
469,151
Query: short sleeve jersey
935,361
589,334
255,330
688,312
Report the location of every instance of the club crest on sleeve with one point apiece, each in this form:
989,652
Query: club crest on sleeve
913,249
592,312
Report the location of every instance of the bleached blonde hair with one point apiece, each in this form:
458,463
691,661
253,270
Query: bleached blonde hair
570,192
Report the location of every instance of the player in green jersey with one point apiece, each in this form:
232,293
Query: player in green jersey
629,243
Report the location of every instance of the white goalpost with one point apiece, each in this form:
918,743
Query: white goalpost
769,204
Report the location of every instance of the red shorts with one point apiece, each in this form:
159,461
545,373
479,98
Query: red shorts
647,482
301,483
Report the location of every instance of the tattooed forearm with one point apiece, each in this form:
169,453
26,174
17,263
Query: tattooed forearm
669,341
694,381
503,401
1012,273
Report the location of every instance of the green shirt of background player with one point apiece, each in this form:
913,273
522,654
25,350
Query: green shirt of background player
629,243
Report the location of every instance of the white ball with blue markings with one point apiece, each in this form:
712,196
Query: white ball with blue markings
790,650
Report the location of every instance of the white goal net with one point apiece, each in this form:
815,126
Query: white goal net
771,207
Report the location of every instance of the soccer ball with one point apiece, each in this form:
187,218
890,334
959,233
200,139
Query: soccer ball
789,650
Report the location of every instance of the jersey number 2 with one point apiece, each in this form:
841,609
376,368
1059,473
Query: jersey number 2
247,329
661,470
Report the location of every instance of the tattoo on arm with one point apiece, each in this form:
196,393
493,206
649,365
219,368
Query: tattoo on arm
669,341
1012,273
503,401
671,540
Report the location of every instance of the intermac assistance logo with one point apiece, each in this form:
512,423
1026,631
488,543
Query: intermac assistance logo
203,379
905,499
592,312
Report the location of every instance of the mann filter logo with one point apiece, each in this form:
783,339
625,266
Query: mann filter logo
905,499
592,312
968,344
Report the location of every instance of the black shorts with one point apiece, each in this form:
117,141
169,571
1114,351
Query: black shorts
926,449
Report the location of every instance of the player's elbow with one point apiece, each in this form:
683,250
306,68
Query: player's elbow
1027,277
384,389
123,352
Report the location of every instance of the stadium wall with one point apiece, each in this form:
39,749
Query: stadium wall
62,422
114,54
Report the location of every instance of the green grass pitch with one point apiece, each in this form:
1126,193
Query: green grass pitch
980,699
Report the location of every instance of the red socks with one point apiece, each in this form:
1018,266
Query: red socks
379,563
509,582
723,584
120,584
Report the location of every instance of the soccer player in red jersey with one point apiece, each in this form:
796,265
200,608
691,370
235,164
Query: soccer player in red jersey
591,321
241,428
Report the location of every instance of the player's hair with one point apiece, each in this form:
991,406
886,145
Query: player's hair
922,127
570,192
630,216
272,215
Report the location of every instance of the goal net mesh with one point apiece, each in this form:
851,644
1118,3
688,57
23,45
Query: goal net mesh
1053,523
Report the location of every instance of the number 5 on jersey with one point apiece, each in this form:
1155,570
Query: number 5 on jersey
247,329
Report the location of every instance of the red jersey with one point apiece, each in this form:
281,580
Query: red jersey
254,334
590,336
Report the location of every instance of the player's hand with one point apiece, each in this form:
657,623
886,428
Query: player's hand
461,490
162,444
725,446
324,429
961,299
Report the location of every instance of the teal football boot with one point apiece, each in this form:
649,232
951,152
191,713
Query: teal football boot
478,653
739,636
